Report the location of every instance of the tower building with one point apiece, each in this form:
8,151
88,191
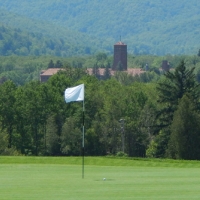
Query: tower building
165,65
120,57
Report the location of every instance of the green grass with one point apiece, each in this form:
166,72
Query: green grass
59,178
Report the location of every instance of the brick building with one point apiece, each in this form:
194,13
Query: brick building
165,65
46,74
120,57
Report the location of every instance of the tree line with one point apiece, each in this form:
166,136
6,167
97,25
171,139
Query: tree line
23,69
160,119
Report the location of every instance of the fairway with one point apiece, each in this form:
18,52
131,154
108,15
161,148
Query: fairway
39,180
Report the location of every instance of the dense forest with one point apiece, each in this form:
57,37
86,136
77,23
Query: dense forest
16,42
159,111
149,27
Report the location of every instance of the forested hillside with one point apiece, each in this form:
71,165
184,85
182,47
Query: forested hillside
148,26
21,43
24,36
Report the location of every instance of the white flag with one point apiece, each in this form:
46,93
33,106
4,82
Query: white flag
74,93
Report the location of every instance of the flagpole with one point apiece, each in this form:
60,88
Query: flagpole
83,145
77,94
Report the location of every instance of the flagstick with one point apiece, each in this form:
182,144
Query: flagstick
83,150
77,94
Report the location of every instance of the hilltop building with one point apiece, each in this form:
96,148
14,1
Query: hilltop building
120,57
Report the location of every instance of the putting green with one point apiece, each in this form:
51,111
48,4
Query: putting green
64,181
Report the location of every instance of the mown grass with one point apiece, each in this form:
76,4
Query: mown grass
100,161
52,178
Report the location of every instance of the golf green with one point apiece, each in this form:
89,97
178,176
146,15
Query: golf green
59,181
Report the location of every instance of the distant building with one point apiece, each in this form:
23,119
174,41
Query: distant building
165,66
46,74
130,71
119,64
120,57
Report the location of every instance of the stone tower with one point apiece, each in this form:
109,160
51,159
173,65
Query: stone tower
120,57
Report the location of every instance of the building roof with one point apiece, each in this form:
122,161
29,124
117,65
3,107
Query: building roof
120,43
45,74
134,71
50,71
131,71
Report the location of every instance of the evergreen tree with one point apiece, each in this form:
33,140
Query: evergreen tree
106,74
185,131
51,64
95,71
58,64
174,86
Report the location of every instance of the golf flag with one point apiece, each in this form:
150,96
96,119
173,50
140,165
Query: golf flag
74,93
77,94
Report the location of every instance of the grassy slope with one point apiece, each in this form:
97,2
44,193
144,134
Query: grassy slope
60,178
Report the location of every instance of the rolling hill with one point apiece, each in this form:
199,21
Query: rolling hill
148,27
